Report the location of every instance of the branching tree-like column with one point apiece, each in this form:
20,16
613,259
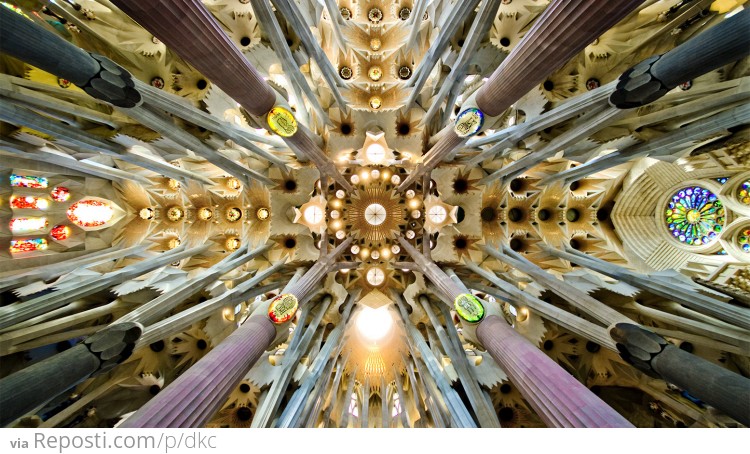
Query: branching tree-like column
192,399
565,28
32,387
719,387
558,398
190,30
652,78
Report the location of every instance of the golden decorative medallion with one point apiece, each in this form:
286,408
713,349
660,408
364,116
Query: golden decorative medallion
283,308
282,122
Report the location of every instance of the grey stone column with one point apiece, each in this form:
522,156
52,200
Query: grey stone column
98,76
719,387
32,387
652,78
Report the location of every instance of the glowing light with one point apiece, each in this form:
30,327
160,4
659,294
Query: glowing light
232,244
146,213
385,252
375,214
313,215
340,234
204,214
173,184
233,214
354,249
410,234
262,214
413,203
26,225
28,203
175,214
60,232
60,194
174,243
376,102
375,153
375,255
354,179
410,194
375,73
234,183
416,214
340,194
395,248
375,173
375,44
90,213
31,245
335,214
364,175
374,324
395,179
28,181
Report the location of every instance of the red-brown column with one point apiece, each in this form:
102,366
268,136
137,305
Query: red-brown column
565,28
186,27
559,399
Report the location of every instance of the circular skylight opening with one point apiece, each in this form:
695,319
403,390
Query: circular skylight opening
375,153
437,214
313,214
374,324
375,214
375,276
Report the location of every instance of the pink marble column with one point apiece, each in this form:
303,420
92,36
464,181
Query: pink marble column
192,399
187,28
559,399
565,28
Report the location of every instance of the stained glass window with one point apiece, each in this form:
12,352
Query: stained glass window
28,181
26,225
722,180
744,240
743,193
60,194
695,216
30,245
90,213
60,232
20,202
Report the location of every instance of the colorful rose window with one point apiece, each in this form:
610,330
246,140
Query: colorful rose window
28,181
744,240
743,193
695,216
31,245
26,225
90,213
60,232
60,194
19,202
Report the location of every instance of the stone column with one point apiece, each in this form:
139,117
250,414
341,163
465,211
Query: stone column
192,399
96,75
559,399
652,78
565,28
719,387
190,30
32,387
